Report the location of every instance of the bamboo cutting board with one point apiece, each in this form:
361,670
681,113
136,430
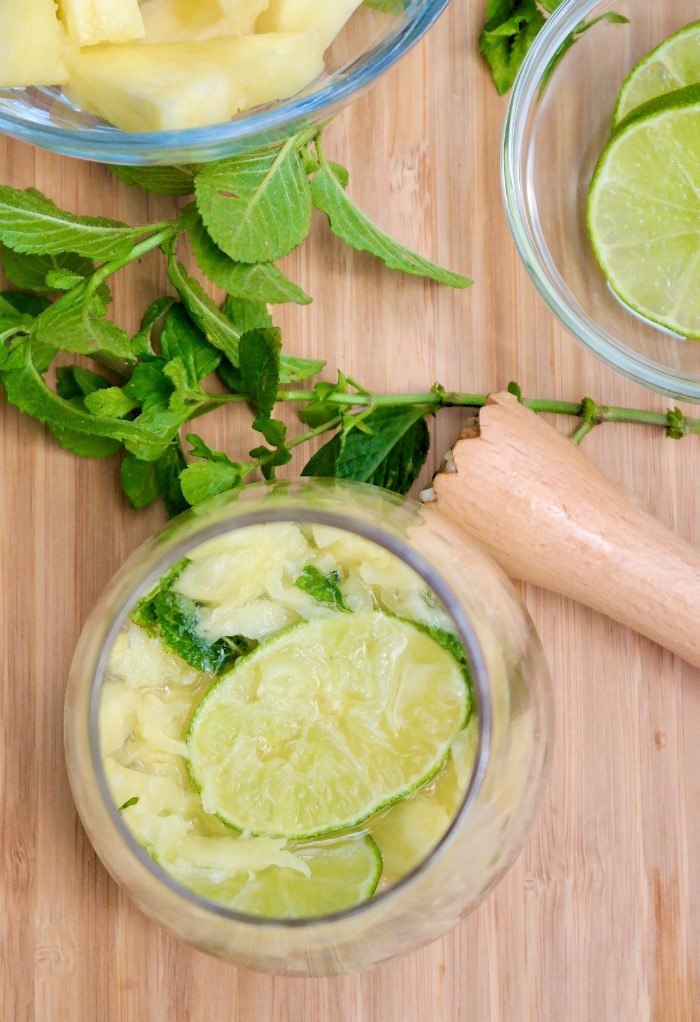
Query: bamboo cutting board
599,919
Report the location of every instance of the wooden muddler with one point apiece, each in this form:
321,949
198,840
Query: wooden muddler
548,515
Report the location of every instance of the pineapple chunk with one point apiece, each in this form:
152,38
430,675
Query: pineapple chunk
102,21
173,21
241,14
301,15
174,86
32,42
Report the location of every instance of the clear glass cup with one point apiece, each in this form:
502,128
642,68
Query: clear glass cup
555,130
514,708
369,44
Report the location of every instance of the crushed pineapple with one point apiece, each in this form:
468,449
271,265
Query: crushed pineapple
174,21
168,65
32,42
102,21
294,15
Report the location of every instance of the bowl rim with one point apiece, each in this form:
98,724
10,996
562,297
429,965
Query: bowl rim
533,252
107,144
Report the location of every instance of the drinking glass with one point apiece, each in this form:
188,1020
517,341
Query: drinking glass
513,703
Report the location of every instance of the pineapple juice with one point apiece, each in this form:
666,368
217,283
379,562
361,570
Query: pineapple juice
286,722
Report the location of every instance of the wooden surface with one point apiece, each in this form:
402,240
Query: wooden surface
598,919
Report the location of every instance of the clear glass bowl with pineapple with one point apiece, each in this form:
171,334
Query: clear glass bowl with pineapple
164,81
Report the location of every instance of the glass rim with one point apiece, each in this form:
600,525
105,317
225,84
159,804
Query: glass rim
530,245
108,144
178,547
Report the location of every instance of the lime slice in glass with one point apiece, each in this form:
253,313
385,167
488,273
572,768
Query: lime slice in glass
295,882
342,872
643,211
409,830
326,723
671,65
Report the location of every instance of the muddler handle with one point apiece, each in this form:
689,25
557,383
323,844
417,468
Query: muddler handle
548,515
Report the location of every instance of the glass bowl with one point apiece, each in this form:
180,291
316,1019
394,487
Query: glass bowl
553,136
502,786
369,44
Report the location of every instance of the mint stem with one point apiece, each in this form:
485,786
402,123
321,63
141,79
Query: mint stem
454,399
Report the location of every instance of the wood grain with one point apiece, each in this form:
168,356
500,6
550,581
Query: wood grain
599,917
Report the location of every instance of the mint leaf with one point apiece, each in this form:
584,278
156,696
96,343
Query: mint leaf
112,402
323,464
160,180
139,481
389,451
353,227
77,385
144,481
31,223
168,469
241,201
186,391
296,370
324,408
259,365
75,323
181,339
148,386
29,272
13,323
511,26
258,282
204,312
26,305
27,390
142,341
74,383
246,314
324,588
174,618
216,473
201,480
143,613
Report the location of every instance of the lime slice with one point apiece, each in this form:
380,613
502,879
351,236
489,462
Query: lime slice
294,882
408,833
671,65
343,872
643,211
409,830
324,724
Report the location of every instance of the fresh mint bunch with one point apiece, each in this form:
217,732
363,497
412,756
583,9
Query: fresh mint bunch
245,213
137,397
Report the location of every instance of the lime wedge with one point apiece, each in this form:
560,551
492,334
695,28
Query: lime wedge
671,65
342,872
324,724
643,211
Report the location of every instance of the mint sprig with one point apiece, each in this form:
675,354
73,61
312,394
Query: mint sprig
510,28
141,393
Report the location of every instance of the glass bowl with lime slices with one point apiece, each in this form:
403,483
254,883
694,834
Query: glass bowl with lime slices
307,727
173,81
601,180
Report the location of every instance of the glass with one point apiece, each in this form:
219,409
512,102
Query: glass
552,140
515,732
370,43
